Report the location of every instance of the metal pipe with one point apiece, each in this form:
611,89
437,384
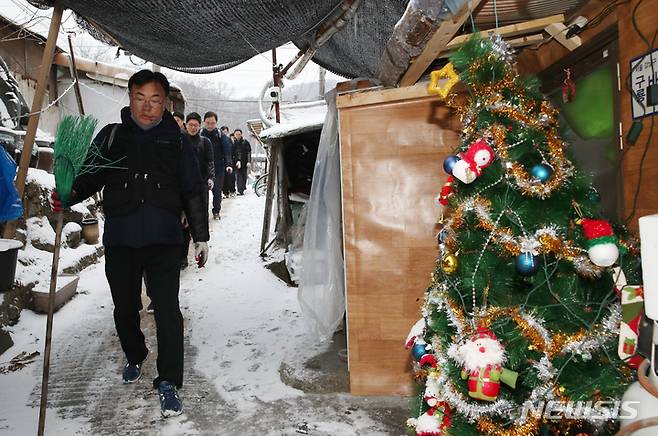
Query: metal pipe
276,75
74,76
334,23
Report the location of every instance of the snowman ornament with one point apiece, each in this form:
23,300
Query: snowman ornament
478,156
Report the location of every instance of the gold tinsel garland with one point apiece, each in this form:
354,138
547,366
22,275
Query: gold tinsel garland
488,427
553,344
549,243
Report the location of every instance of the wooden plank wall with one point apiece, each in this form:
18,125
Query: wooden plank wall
392,149
630,46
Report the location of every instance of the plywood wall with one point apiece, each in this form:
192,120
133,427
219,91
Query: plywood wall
392,149
630,47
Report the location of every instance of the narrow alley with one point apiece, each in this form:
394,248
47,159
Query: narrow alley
241,323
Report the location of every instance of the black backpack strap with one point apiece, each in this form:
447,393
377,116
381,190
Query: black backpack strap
113,133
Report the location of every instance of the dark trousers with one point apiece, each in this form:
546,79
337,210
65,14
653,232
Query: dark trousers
217,190
229,183
187,237
124,267
241,177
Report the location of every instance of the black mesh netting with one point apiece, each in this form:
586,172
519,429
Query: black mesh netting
203,36
211,35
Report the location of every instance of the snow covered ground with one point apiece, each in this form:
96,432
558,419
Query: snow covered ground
241,323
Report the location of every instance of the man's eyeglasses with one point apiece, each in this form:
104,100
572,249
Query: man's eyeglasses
152,102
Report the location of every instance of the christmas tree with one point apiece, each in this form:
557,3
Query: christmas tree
522,307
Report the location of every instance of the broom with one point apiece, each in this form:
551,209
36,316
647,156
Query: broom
74,135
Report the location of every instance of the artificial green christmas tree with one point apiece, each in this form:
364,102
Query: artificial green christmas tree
522,308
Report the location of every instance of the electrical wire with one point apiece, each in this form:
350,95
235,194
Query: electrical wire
53,103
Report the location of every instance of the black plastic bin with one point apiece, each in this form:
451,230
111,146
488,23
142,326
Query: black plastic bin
8,258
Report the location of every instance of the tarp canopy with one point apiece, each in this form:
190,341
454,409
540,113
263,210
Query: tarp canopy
213,35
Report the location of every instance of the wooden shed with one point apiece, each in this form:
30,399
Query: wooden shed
393,142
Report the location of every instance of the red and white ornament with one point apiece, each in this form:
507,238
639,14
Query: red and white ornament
601,242
447,191
632,309
478,156
433,422
416,333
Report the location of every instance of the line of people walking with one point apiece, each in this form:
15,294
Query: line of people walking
224,158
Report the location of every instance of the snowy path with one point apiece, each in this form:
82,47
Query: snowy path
241,323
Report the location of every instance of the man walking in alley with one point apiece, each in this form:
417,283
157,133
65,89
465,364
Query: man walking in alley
242,160
153,178
221,146
180,119
229,180
203,154
203,150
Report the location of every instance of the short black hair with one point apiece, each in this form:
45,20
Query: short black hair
178,114
224,128
143,77
193,116
209,114
238,130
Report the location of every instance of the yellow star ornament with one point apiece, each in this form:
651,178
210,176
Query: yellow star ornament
447,72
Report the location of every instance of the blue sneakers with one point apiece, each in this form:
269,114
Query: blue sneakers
132,373
170,403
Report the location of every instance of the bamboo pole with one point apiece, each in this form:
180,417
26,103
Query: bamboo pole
49,325
37,103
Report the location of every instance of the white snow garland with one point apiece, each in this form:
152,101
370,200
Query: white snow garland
546,372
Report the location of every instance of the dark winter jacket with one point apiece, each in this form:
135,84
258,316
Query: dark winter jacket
149,177
242,151
222,148
203,151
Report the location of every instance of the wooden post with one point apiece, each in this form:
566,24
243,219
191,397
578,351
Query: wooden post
276,77
74,75
437,43
37,103
269,199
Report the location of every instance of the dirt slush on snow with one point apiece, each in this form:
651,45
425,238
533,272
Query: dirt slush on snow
241,322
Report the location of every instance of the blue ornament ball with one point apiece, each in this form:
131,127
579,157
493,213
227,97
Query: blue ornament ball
449,163
418,351
594,196
527,264
541,172
443,236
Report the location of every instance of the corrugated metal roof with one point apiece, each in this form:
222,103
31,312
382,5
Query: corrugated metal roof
511,11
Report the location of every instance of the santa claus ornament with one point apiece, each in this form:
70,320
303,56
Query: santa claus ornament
601,242
433,421
482,358
471,163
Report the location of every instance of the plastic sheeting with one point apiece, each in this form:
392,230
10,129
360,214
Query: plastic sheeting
322,287
10,203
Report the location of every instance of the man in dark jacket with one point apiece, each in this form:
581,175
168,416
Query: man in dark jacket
203,150
242,160
221,147
146,168
229,180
